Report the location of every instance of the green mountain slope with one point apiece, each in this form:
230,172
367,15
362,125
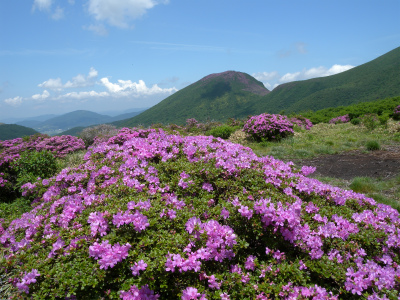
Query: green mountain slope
13,131
377,79
215,97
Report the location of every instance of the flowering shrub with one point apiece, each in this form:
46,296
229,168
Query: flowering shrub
268,127
396,113
155,216
191,122
302,122
99,132
340,119
33,164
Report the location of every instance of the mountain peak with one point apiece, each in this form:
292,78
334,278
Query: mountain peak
250,83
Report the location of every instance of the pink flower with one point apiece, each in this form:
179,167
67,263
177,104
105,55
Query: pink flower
138,266
191,293
207,186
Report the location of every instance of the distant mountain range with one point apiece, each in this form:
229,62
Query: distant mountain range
236,95
53,124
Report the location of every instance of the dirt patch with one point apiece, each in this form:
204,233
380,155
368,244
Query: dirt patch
383,164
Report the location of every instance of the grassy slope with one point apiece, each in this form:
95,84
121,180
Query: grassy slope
379,107
215,99
75,131
377,79
12,131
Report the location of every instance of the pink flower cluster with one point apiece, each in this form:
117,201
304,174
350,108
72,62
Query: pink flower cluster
27,280
218,246
108,256
340,119
138,220
290,291
58,145
396,113
134,293
191,122
302,122
191,293
269,127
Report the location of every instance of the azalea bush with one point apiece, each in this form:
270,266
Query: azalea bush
396,113
302,122
340,119
268,127
38,153
150,215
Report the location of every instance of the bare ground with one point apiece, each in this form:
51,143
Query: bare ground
384,164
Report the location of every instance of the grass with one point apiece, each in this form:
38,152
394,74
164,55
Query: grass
328,139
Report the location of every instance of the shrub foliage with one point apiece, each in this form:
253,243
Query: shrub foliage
150,215
268,127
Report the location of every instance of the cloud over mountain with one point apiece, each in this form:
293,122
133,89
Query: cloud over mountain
272,79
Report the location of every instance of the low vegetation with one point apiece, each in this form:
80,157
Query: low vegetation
180,212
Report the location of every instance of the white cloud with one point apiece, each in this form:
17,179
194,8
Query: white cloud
314,72
265,76
301,47
16,101
42,5
58,14
98,29
52,84
83,95
119,12
76,82
335,69
42,96
129,88
272,79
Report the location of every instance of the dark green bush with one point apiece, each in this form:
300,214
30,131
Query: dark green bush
370,121
355,121
223,131
383,119
372,145
32,165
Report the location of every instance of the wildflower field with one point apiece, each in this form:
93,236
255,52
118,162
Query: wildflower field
174,213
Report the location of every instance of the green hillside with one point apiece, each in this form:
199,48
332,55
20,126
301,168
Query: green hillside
13,131
377,79
215,97
75,131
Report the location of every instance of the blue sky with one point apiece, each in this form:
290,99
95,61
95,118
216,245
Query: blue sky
100,55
